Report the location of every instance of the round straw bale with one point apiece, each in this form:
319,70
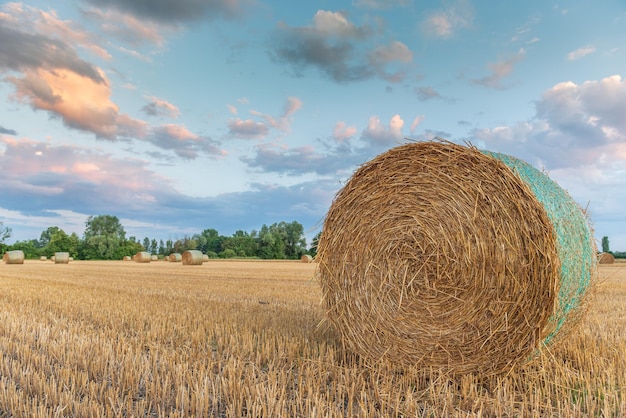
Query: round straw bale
439,255
205,258
43,258
143,257
154,257
175,257
306,258
192,258
127,258
14,257
61,258
606,258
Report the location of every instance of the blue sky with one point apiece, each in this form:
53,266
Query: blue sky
181,115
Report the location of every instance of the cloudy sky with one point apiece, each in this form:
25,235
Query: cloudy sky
181,115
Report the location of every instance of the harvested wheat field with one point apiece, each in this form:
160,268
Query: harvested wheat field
241,339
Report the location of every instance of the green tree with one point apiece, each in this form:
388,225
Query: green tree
242,243
104,238
314,243
44,238
61,242
209,240
129,248
605,244
180,246
271,244
161,247
146,245
169,246
5,233
295,242
31,248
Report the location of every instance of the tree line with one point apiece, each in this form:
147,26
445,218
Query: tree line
104,238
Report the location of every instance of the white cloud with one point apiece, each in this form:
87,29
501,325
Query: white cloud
445,23
380,134
580,53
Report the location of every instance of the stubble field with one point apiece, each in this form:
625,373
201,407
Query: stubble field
243,338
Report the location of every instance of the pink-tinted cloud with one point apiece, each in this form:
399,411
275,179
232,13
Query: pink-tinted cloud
31,20
183,142
176,11
252,129
447,22
341,50
129,28
575,125
80,102
380,134
54,170
500,70
342,131
580,52
160,107
247,129
419,119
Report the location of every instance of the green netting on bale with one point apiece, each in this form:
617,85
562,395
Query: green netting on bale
575,244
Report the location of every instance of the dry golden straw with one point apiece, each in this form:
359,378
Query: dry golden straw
437,255
175,257
14,257
61,258
142,257
192,258
606,258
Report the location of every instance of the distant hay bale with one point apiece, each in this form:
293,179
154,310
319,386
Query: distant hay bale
192,258
205,258
306,258
61,257
13,257
449,258
154,257
126,258
143,257
43,258
606,258
52,259
175,257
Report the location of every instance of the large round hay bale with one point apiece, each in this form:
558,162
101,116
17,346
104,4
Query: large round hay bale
446,257
143,257
14,257
192,258
306,258
154,257
126,258
61,257
175,257
205,258
606,258
43,258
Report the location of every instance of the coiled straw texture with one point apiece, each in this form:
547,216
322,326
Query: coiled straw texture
437,255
